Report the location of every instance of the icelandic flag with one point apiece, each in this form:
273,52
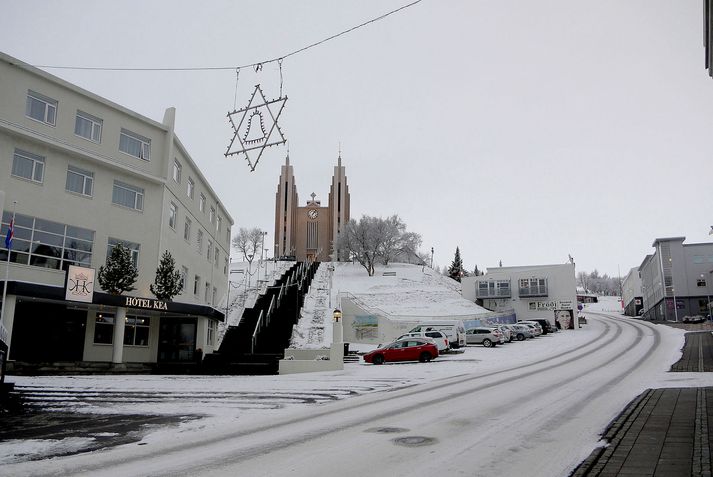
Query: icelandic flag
10,234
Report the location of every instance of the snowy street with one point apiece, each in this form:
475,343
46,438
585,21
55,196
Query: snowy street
533,408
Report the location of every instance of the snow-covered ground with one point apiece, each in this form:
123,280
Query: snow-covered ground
502,407
412,291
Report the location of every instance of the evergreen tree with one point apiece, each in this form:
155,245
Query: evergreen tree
168,281
119,274
455,271
477,272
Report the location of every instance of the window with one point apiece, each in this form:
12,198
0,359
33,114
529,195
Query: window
199,240
46,244
196,285
211,217
212,332
218,223
215,296
172,215
227,234
201,204
136,332
184,277
104,329
701,282
217,256
207,292
190,188
134,248
128,196
176,171
28,166
88,126
41,108
79,181
210,249
187,230
225,266
134,145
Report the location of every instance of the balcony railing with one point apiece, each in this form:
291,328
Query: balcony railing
503,292
538,290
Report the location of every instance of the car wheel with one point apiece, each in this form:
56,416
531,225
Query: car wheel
487,343
378,359
520,337
425,357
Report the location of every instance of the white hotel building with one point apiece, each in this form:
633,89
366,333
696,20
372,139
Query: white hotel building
86,174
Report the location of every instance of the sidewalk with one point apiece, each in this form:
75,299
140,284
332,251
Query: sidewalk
663,432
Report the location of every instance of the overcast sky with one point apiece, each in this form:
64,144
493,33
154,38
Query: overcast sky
517,130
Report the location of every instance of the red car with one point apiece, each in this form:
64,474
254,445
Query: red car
405,349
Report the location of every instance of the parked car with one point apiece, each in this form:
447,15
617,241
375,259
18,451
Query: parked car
454,330
488,337
521,332
407,349
438,336
507,333
535,327
544,324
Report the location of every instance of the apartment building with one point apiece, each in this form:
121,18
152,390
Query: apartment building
82,174
676,280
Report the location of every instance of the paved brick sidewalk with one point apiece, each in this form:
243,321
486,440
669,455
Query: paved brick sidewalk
663,432
697,353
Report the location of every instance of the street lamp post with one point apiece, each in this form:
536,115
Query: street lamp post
431,257
708,294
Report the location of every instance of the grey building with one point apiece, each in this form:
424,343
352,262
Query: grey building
85,174
631,294
676,280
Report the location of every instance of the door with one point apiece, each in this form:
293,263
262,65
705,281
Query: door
177,340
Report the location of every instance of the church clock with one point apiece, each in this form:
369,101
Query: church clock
312,213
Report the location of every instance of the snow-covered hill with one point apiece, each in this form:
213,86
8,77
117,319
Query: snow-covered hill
397,291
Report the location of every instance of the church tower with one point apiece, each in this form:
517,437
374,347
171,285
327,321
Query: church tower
338,206
285,211
310,232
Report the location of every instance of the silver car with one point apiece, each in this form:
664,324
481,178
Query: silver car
488,337
521,332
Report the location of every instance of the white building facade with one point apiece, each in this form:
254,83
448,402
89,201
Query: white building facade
82,174
533,292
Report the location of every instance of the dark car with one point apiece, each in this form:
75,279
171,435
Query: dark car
406,349
545,324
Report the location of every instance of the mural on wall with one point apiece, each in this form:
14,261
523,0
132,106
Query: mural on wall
366,326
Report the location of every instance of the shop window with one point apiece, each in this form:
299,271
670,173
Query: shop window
104,329
212,332
136,332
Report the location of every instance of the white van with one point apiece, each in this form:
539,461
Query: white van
454,330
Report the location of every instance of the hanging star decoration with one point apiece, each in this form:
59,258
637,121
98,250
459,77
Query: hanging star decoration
257,127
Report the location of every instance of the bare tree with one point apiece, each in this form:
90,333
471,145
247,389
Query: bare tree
248,242
375,240
360,239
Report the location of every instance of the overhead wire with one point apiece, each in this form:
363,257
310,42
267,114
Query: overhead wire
257,64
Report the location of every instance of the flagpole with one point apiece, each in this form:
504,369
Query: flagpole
7,266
